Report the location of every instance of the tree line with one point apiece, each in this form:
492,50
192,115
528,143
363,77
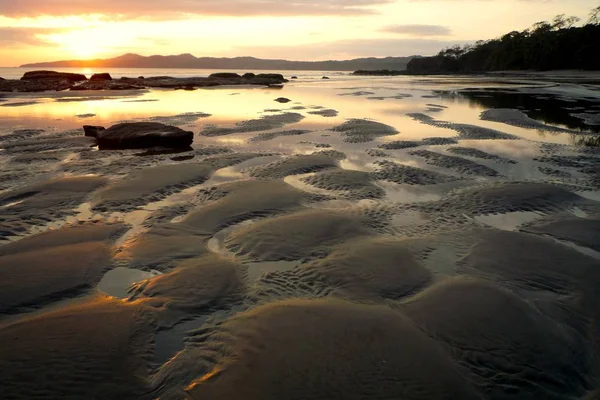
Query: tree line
547,45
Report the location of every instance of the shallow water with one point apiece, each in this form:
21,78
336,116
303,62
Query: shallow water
306,236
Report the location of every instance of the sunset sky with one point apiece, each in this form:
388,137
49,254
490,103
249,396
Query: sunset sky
44,30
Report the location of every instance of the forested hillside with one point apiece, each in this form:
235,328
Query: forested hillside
558,44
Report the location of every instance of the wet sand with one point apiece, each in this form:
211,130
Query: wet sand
371,238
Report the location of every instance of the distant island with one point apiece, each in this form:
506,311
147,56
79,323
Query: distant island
241,63
546,46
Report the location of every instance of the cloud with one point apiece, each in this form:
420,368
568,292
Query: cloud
15,37
167,9
352,48
418,30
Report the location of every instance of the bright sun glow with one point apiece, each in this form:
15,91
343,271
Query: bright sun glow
88,43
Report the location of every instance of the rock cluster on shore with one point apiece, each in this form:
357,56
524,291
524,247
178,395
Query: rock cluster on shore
39,81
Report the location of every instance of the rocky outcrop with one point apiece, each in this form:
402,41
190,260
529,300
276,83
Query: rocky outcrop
92,131
51,81
101,77
378,72
139,135
34,85
53,75
275,77
225,75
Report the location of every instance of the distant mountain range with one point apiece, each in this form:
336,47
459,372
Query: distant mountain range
244,63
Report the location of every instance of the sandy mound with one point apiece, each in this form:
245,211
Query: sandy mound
557,173
588,118
200,285
517,118
53,265
475,153
65,237
264,123
465,131
263,137
509,197
151,184
362,130
162,247
458,164
509,346
95,350
20,135
318,350
371,268
46,143
407,144
582,231
301,235
354,184
529,261
327,113
376,153
295,165
404,174
39,203
240,201
52,157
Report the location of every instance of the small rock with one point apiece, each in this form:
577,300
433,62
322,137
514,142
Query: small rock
43,75
101,77
294,77
325,77
141,77
249,75
282,100
92,131
139,135
225,75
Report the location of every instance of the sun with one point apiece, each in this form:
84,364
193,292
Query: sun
85,43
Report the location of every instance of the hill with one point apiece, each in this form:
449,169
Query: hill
244,63
555,45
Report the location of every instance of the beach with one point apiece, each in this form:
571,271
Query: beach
356,237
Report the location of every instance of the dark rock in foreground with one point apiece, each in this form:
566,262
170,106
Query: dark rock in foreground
141,135
379,72
92,131
38,75
249,75
101,77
